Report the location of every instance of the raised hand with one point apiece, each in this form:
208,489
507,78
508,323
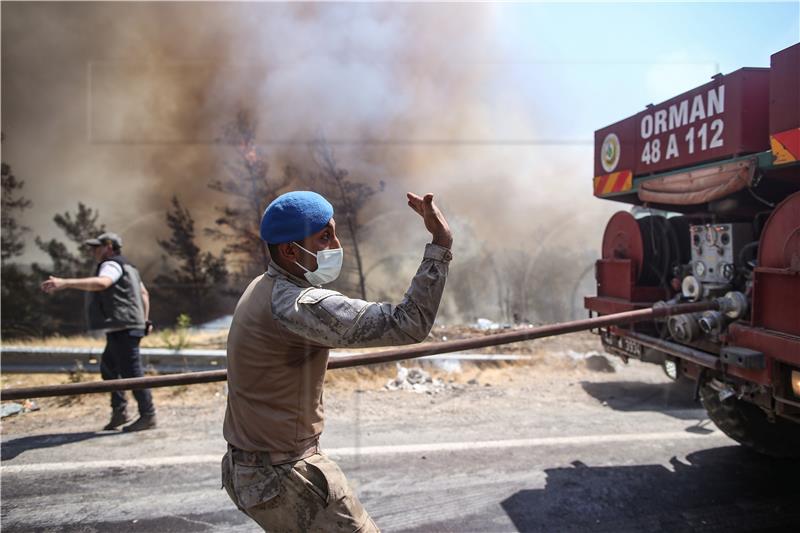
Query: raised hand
434,220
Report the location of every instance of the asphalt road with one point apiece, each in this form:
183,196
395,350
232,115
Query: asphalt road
612,453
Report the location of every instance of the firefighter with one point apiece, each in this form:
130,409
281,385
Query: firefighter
282,330
119,305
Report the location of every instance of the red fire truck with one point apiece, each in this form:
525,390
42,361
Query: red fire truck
714,178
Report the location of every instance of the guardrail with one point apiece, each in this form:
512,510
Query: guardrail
47,359
52,359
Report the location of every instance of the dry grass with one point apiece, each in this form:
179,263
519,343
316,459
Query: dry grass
371,377
201,339
582,342
74,341
546,356
546,361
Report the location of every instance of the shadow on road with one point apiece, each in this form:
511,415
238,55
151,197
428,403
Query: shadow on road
722,489
13,448
673,399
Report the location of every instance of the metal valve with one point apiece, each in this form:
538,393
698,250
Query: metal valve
733,305
712,322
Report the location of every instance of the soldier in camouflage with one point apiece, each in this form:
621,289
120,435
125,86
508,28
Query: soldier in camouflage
283,328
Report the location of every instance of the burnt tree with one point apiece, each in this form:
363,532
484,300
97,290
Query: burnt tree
249,189
348,198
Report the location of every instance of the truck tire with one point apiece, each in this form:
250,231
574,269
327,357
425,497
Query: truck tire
748,424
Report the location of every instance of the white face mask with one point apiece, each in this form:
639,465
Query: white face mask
329,264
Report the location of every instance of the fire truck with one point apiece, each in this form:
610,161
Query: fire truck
713,176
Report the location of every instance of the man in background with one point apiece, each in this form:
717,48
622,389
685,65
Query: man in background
119,305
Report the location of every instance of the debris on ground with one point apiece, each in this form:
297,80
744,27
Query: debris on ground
599,363
417,380
484,328
592,360
10,408
451,366
13,408
484,324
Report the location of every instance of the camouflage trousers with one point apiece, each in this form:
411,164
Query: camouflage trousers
310,495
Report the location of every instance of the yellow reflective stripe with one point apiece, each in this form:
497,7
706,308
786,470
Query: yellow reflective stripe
628,182
612,179
598,183
779,152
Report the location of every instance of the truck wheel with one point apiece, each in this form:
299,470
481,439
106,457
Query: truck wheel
748,424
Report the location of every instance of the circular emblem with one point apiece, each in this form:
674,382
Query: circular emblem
609,152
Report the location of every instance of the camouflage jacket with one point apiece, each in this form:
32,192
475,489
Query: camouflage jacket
332,319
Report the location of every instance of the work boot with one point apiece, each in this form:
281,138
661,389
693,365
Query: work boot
144,422
118,417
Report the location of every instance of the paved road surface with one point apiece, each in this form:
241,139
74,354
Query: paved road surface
617,455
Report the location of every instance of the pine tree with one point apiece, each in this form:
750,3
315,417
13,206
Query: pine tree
71,258
65,311
12,205
18,292
194,274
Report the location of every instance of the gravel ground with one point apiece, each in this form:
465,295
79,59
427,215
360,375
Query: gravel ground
555,368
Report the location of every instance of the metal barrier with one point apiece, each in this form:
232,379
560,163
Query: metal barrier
58,359
45,359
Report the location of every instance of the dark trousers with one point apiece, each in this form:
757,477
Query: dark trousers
121,359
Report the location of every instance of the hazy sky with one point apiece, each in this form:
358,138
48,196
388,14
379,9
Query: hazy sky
89,89
589,65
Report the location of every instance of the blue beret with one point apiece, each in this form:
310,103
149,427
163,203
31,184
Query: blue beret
294,216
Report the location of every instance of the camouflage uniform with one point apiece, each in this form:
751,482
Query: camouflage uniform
278,350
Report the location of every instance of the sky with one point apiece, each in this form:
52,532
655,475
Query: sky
589,65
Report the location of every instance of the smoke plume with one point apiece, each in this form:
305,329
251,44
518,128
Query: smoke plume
121,105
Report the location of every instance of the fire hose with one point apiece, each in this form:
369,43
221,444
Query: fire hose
383,356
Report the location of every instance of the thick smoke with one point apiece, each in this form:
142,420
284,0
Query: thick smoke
119,105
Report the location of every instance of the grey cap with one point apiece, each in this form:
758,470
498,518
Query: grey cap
104,239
